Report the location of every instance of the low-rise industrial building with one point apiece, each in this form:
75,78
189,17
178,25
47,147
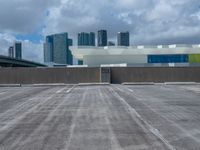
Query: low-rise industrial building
135,55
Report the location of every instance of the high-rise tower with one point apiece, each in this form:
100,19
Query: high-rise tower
123,38
102,38
56,49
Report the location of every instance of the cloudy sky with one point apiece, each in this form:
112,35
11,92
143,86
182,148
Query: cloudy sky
149,22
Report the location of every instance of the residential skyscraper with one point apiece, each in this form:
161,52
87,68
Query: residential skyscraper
102,38
15,51
86,39
92,39
69,53
123,38
11,52
60,48
18,50
70,42
56,49
48,49
83,39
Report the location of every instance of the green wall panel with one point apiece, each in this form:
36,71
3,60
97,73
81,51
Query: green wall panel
194,58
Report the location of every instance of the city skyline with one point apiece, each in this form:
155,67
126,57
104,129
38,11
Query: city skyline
56,47
15,51
149,23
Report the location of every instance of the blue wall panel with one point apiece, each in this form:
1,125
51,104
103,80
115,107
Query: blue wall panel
183,58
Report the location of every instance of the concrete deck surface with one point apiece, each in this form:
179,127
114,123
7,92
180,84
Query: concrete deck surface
106,117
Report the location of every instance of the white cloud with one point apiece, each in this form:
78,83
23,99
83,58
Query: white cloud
134,4
23,16
144,19
5,42
30,51
163,11
149,22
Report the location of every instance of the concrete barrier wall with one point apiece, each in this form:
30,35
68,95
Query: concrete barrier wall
92,75
155,74
48,75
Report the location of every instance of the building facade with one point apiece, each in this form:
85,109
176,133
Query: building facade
86,39
18,50
102,38
48,49
15,51
56,49
92,39
83,39
69,53
139,55
123,39
11,52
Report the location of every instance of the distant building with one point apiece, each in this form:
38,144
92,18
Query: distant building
48,49
102,38
18,50
83,39
15,51
70,42
92,39
60,48
56,49
69,53
80,62
110,43
138,55
123,39
86,39
11,52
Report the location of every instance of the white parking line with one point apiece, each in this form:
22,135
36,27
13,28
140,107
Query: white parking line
140,119
69,90
130,90
63,89
2,93
60,90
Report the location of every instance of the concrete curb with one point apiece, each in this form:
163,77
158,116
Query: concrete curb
10,85
48,84
92,84
180,83
138,83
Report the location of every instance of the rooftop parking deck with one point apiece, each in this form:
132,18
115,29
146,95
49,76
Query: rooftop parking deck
100,117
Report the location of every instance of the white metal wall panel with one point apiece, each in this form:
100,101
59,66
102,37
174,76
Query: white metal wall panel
97,60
